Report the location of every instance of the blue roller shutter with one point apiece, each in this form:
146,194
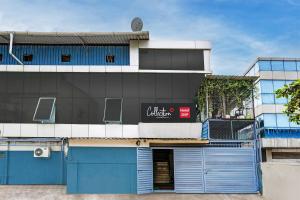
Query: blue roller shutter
144,171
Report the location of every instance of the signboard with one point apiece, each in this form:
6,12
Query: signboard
168,112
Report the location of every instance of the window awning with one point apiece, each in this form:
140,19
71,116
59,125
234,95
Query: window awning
80,38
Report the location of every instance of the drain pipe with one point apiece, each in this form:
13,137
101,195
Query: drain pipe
11,36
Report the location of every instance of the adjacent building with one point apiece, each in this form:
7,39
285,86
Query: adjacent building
114,113
279,136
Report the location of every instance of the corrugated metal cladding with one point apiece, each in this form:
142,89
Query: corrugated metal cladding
20,167
205,170
80,55
188,170
144,170
230,170
102,170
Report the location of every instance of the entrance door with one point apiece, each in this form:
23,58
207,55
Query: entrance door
188,170
163,170
144,171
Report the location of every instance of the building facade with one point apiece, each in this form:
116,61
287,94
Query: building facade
112,113
280,137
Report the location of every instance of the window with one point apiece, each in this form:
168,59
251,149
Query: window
285,155
290,66
45,110
65,58
266,86
113,110
1,57
110,59
270,120
277,65
27,58
282,121
267,98
264,65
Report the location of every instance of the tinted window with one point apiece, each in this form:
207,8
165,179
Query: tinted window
44,109
171,59
113,110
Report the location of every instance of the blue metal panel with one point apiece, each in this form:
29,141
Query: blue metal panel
144,170
80,55
188,170
205,130
94,170
3,167
230,170
22,168
281,133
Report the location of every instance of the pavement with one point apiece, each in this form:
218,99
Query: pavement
30,192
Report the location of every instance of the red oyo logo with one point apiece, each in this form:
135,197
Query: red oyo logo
184,112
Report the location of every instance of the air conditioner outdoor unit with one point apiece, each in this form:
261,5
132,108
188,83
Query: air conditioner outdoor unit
41,152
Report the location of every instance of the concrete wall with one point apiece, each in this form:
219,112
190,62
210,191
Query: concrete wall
281,180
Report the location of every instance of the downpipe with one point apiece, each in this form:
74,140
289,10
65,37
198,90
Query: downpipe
11,41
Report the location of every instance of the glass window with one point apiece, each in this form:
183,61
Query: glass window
45,110
283,121
264,66
298,65
290,66
288,82
281,100
266,86
294,125
277,65
113,110
278,84
270,120
267,98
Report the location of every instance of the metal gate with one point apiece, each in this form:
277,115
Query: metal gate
144,170
230,170
204,170
188,170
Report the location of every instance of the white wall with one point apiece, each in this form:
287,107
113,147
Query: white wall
143,130
281,181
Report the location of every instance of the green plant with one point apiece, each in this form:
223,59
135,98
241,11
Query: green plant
291,92
224,93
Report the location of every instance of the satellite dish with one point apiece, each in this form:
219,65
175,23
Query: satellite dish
136,24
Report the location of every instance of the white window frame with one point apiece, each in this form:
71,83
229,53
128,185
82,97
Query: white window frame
121,112
52,114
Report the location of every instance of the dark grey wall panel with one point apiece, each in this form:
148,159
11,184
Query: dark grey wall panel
64,109
80,97
171,59
131,110
48,84
180,83
113,85
15,83
147,84
28,108
163,85
96,110
81,84
64,85
97,85
131,85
